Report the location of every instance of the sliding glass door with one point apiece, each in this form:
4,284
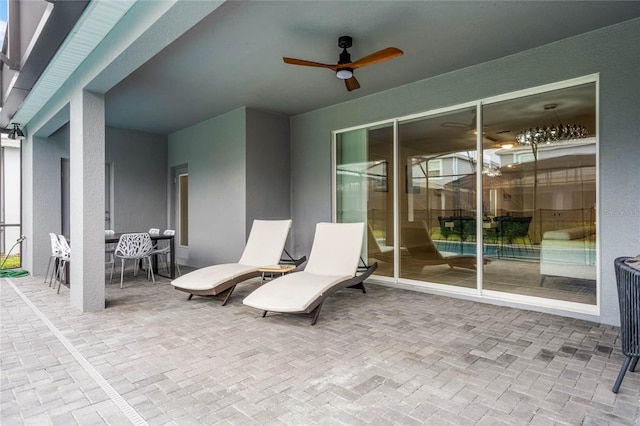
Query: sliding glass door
511,212
437,160
541,228
365,189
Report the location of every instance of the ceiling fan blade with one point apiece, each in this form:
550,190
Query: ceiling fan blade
379,56
352,84
294,61
454,124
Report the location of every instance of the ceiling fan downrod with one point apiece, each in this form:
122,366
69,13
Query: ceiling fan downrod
345,73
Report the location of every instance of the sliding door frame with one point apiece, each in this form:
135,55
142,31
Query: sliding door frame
479,292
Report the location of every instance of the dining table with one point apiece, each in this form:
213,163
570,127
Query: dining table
114,238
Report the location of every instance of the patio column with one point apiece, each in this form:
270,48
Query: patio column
87,163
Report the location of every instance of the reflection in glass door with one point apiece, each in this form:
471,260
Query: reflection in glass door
540,179
532,222
365,188
437,201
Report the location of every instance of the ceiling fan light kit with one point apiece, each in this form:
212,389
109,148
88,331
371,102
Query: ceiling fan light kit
344,73
344,68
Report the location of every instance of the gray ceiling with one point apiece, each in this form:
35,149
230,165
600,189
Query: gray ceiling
233,57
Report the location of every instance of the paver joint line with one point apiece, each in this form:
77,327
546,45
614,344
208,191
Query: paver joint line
123,405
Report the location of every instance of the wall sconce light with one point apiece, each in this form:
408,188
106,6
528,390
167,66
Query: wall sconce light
16,133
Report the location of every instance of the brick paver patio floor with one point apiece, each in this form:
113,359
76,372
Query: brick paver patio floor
388,357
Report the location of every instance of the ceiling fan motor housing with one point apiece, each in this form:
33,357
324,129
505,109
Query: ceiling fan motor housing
345,42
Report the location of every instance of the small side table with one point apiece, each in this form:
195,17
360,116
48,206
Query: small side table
276,269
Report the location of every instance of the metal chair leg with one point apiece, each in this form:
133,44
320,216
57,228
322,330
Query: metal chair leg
316,314
61,273
150,267
634,363
122,273
113,265
54,271
228,295
48,266
623,370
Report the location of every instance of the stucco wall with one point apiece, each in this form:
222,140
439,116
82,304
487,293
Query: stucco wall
268,166
214,152
140,182
46,154
614,52
139,179
139,162
239,171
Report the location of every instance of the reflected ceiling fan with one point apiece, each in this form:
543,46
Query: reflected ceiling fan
344,68
471,128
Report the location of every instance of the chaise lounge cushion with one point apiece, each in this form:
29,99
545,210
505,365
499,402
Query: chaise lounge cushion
212,276
264,247
333,261
293,292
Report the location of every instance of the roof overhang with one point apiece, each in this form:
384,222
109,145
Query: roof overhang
52,33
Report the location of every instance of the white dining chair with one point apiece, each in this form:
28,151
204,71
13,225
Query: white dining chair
55,256
154,231
135,246
162,250
63,262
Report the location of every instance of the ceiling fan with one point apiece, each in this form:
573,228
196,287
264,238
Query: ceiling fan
471,128
344,68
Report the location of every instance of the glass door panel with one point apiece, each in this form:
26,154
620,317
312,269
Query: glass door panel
364,189
437,198
539,191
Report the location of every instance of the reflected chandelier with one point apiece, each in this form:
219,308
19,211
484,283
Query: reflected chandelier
551,134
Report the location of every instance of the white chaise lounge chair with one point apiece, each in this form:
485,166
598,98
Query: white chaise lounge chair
332,265
264,248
